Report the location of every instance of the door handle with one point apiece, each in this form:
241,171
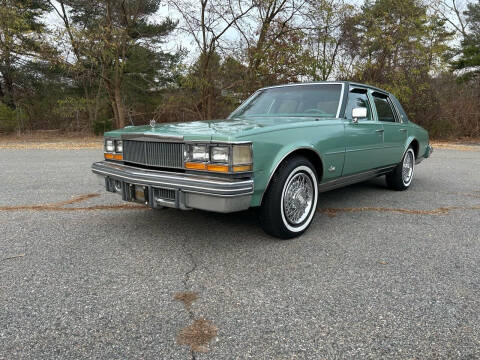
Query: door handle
380,130
403,130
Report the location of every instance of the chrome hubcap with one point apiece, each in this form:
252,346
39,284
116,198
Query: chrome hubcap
407,170
298,198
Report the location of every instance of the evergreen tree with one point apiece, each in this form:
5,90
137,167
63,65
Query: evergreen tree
21,31
469,60
119,43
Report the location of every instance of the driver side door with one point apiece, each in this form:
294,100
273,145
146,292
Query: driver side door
363,138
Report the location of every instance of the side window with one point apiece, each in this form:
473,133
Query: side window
356,100
384,109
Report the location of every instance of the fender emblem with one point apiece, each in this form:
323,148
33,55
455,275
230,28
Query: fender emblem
331,168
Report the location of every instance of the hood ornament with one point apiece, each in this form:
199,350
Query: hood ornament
153,123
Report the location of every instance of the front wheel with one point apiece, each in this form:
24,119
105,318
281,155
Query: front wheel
290,201
401,177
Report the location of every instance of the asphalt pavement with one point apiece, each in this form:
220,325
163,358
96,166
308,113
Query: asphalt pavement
380,274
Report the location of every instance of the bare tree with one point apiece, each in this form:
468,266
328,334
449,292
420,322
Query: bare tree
269,21
326,22
452,11
207,22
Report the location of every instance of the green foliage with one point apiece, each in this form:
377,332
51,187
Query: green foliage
21,30
71,106
101,126
126,56
10,120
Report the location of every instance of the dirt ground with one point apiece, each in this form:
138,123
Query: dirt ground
50,140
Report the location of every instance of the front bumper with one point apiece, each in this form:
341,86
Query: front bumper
178,190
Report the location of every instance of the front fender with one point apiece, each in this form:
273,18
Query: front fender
325,139
263,177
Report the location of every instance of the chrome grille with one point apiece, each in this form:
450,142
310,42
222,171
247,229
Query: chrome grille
134,151
153,153
167,194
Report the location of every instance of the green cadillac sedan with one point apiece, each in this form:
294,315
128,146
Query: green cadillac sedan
277,151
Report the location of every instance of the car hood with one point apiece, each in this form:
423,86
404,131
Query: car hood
225,129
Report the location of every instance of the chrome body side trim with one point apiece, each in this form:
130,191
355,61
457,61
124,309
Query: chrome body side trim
352,179
340,102
305,83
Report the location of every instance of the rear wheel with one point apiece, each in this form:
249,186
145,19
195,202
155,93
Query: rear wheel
290,201
401,177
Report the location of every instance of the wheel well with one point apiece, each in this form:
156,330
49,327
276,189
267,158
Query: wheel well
310,155
414,144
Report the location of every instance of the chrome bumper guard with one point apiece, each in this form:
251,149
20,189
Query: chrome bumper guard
426,155
429,151
178,190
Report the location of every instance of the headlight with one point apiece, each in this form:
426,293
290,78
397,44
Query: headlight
242,154
197,153
109,146
219,158
219,154
118,146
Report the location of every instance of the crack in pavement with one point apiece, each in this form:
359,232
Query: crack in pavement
186,279
475,194
201,331
60,206
13,257
444,210
186,276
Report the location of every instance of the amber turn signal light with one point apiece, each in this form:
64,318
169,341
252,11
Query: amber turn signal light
239,168
113,156
195,166
217,168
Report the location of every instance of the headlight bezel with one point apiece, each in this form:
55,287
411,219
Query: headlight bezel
113,149
221,150
109,145
214,162
196,148
119,146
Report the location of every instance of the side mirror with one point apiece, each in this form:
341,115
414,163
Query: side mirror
359,112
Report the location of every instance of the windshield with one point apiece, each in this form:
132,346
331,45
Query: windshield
317,100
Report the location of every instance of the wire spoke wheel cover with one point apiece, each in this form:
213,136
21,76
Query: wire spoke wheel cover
299,198
408,167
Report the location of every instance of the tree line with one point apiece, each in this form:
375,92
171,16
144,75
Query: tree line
82,65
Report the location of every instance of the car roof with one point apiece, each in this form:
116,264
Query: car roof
348,83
